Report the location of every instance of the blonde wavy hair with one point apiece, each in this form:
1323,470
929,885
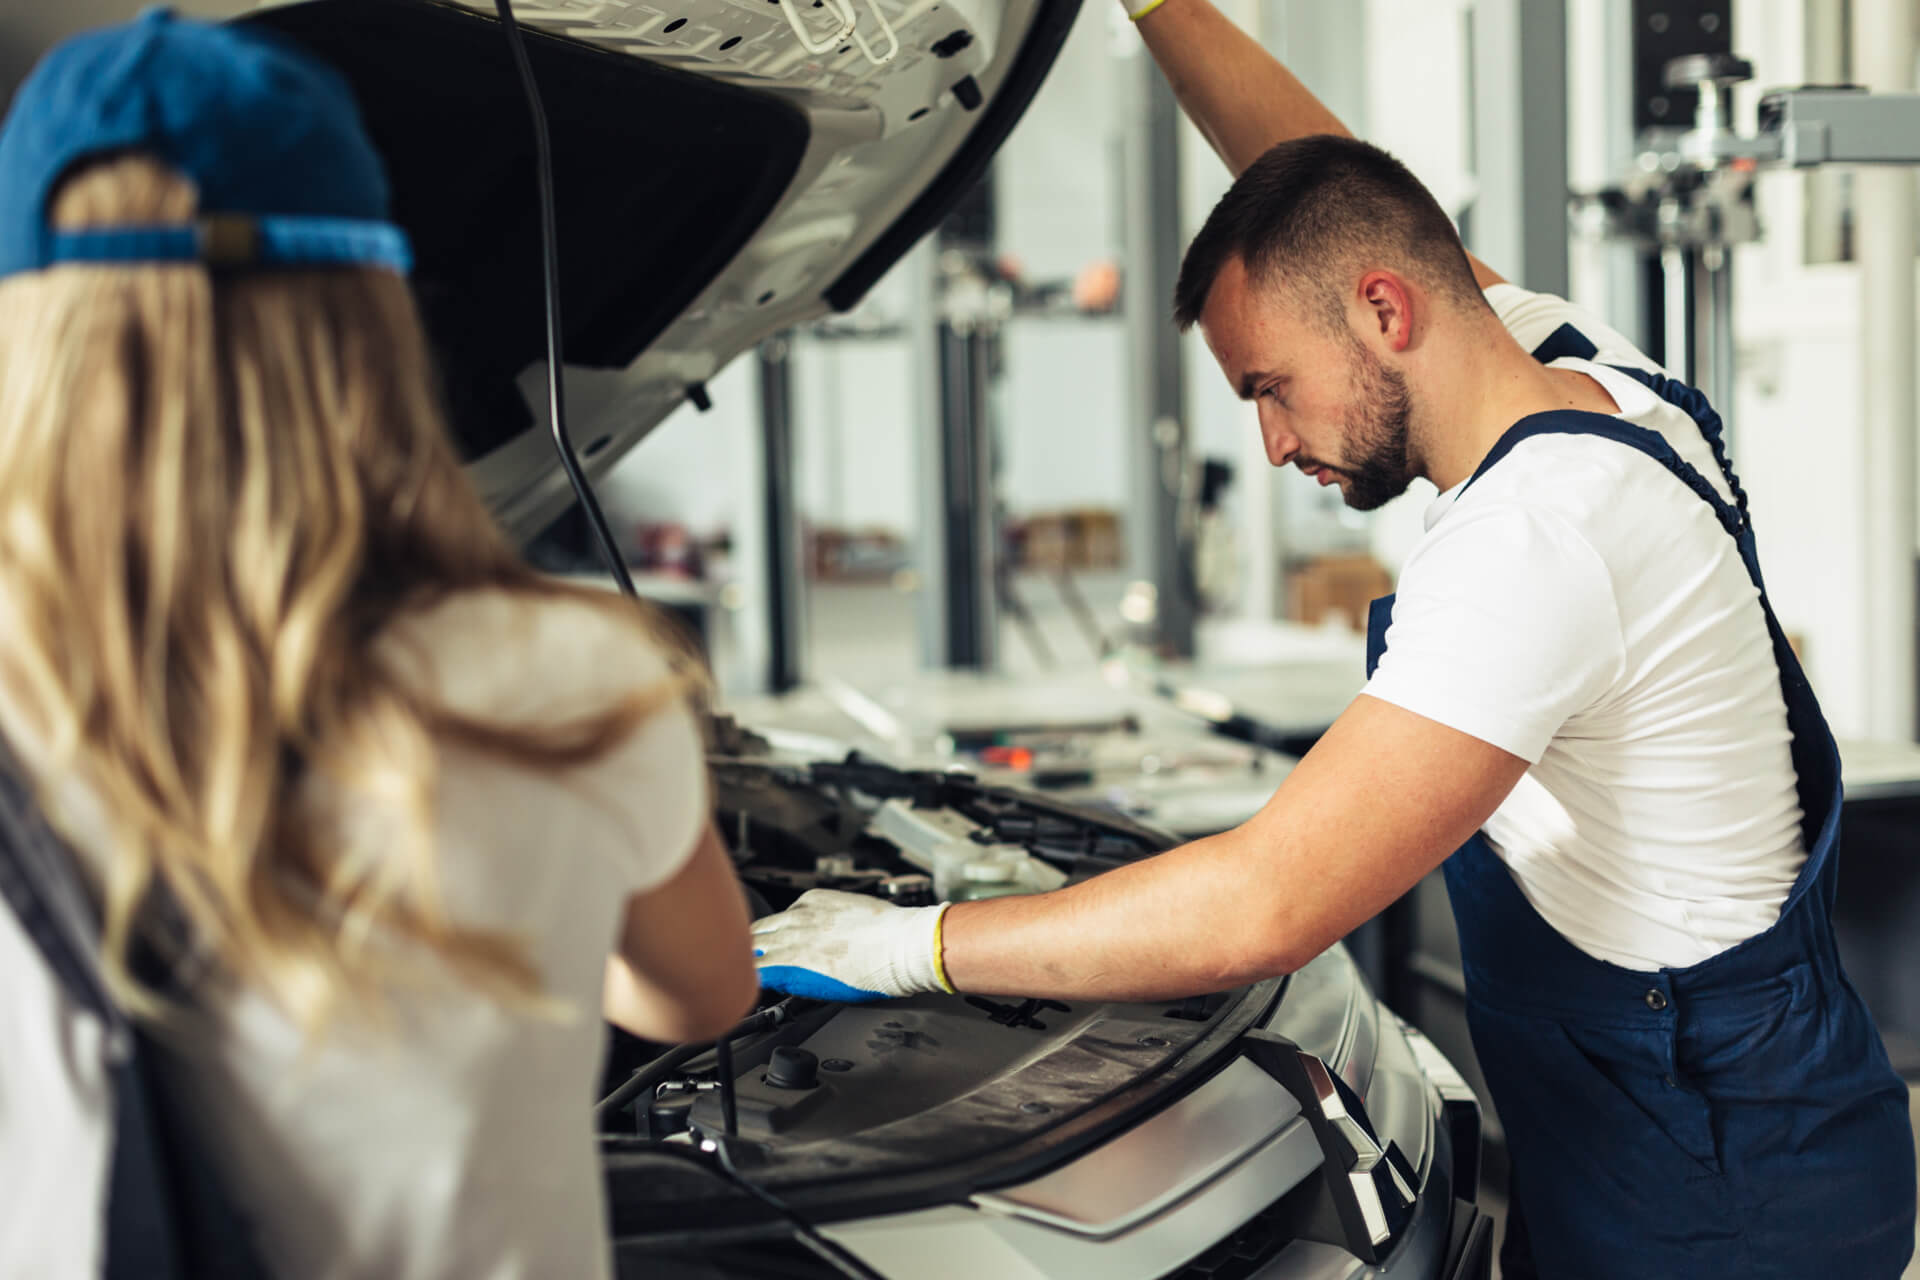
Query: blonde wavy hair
215,494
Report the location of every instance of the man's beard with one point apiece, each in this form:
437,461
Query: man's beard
1381,469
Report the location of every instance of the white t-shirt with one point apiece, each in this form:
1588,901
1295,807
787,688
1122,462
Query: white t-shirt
456,1141
1580,607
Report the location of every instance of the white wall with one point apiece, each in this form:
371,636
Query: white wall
695,467
1058,208
1061,415
1057,175
853,433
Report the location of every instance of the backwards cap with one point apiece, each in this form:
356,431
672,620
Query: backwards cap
269,135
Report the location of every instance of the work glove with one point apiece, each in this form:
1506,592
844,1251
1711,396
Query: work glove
851,948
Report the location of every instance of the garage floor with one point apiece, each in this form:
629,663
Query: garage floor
860,631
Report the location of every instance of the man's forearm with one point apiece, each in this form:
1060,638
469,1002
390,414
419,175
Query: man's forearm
1177,925
1383,798
1238,94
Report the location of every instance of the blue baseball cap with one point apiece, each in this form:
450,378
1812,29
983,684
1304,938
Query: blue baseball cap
269,135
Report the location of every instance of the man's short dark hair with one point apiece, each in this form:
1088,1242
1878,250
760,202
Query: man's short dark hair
1313,210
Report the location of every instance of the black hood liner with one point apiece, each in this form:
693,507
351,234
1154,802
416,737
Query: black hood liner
660,178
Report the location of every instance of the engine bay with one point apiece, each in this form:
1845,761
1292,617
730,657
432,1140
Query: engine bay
910,1098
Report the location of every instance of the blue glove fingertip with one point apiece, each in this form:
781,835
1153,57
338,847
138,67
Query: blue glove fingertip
808,984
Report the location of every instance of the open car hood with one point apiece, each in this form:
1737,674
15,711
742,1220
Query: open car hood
715,183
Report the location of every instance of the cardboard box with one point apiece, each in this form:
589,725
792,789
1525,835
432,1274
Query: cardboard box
1100,543
1047,543
1336,586
1084,538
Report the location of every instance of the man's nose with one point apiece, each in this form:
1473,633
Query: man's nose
1282,445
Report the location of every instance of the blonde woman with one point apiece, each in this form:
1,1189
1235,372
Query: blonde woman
283,685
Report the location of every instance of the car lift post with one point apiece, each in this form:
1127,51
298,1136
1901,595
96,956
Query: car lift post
969,525
1160,550
785,543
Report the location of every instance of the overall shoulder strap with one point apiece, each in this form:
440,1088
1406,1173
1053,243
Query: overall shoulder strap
1693,403
1563,342
1816,760
1568,341
1651,443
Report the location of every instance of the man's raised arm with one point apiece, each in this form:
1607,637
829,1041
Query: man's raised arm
1239,95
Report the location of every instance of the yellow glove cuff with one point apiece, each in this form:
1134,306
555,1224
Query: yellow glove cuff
1136,14
940,921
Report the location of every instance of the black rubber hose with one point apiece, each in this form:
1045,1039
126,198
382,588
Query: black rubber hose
663,1067
550,262
723,1067
646,1078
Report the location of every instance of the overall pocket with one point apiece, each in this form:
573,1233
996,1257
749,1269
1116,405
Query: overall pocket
1609,1094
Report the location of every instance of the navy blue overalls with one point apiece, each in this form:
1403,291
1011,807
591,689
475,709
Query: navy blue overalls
1735,1118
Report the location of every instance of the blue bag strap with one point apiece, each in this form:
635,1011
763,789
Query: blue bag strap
168,1215
41,882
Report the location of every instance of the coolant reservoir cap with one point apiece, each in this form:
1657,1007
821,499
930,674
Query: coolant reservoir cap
994,867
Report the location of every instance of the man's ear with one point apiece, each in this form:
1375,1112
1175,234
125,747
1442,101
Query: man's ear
1387,304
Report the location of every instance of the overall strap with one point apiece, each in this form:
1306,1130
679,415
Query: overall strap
1816,760
1693,403
1568,341
1651,443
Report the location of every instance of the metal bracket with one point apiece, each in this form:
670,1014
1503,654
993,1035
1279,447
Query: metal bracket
1804,127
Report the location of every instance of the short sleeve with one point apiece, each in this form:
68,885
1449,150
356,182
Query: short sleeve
1504,626
1532,318
512,660
656,785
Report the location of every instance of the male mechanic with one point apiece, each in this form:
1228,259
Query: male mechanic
1579,701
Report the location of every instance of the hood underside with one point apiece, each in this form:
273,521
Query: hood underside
715,183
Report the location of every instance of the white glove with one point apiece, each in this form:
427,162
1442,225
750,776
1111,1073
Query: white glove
850,947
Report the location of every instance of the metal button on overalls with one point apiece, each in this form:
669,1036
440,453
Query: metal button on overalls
1762,1135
